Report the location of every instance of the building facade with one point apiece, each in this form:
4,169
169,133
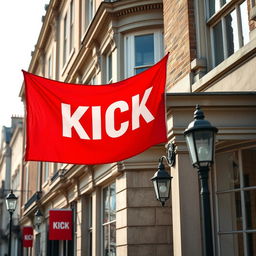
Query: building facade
212,47
10,178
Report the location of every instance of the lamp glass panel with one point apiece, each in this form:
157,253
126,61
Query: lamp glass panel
38,220
156,189
191,147
11,204
204,146
163,188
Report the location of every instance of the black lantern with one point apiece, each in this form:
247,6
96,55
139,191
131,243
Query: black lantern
200,137
162,182
11,202
38,218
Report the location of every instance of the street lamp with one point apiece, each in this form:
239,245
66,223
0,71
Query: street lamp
11,202
200,137
38,218
162,182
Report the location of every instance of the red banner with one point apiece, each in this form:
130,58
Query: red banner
27,237
88,124
60,224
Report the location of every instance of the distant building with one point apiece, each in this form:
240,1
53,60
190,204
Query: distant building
212,47
11,153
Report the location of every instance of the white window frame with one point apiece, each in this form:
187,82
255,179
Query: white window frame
219,16
49,69
89,228
46,172
68,32
27,183
130,48
102,216
91,9
109,79
242,189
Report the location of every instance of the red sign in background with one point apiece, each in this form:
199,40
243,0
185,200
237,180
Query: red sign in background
27,237
60,224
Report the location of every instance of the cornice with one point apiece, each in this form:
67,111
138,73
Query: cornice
141,8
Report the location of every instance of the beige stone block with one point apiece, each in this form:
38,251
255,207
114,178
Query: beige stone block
121,200
122,250
121,236
141,250
141,216
149,235
121,218
164,250
121,182
141,197
140,179
163,216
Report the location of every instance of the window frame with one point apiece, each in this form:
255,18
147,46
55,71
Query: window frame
68,33
129,45
219,16
109,67
46,170
103,224
242,189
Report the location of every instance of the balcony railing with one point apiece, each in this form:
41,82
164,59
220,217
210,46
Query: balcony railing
59,173
33,199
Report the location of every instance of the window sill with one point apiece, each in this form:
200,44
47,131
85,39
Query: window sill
67,62
45,183
225,67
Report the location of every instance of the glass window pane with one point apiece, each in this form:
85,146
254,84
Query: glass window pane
249,163
214,6
144,50
232,32
250,208
232,244
112,249
109,67
106,240
112,203
105,205
218,44
251,244
228,176
245,22
230,212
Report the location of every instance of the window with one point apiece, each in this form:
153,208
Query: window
235,186
89,225
93,81
26,183
142,51
49,73
46,171
39,174
109,68
229,27
91,9
109,220
68,32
